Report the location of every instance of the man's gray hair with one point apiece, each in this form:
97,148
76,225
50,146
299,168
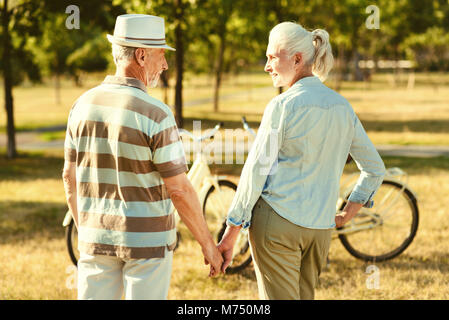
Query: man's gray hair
122,53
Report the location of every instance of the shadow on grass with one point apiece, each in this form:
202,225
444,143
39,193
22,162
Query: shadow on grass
411,165
31,166
22,220
430,126
404,262
247,273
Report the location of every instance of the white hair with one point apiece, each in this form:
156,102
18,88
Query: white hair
314,46
122,53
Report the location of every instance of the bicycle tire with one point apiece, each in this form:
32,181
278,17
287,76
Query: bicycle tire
69,234
235,267
178,240
216,229
350,246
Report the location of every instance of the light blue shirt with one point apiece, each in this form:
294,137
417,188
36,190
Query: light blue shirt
299,154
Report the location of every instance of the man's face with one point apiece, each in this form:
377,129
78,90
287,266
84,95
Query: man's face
154,65
280,67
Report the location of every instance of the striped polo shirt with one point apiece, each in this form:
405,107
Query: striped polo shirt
124,142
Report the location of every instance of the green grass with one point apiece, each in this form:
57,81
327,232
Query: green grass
52,136
35,264
392,114
33,258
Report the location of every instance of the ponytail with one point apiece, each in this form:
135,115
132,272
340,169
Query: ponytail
314,46
323,59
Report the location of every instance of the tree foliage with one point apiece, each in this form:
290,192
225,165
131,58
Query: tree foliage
215,36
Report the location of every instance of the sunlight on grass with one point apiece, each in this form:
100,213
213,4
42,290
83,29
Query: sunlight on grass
35,263
33,258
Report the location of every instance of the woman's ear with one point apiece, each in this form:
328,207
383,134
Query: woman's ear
298,58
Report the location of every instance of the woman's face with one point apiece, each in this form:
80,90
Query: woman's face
280,66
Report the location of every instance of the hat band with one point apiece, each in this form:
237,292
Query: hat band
146,40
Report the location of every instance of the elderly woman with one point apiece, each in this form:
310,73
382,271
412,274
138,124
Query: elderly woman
290,182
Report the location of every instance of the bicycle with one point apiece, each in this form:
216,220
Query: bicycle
375,234
214,192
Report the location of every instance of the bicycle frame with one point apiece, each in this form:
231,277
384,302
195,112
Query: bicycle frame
202,180
200,175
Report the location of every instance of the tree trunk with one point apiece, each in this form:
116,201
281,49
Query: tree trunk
340,70
219,70
358,75
179,64
58,88
7,76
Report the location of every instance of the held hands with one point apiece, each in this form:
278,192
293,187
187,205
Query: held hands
220,257
226,245
213,257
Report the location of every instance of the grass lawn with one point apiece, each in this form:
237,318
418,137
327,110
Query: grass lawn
391,114
35,265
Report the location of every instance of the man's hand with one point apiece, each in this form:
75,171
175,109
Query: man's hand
213,257
226,245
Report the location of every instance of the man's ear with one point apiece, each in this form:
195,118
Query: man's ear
139,54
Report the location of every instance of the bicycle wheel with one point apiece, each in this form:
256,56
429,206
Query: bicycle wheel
394,220
215,208
71,237
216,205
178,240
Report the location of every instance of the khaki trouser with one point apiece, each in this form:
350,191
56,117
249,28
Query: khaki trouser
288,259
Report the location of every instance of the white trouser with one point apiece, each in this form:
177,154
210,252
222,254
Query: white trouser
103,277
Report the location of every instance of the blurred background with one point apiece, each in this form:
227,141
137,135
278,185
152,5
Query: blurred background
391,63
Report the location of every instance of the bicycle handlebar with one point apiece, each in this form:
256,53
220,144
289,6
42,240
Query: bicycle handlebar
247,127
208,135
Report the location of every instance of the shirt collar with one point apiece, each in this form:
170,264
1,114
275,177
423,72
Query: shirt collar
307,81
125,81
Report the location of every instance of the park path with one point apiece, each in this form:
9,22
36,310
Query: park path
29,141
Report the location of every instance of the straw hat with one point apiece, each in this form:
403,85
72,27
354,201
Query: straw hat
139,30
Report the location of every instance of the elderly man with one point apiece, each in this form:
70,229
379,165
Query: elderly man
124,167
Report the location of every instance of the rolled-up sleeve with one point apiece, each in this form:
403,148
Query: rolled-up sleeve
260,163
369,163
